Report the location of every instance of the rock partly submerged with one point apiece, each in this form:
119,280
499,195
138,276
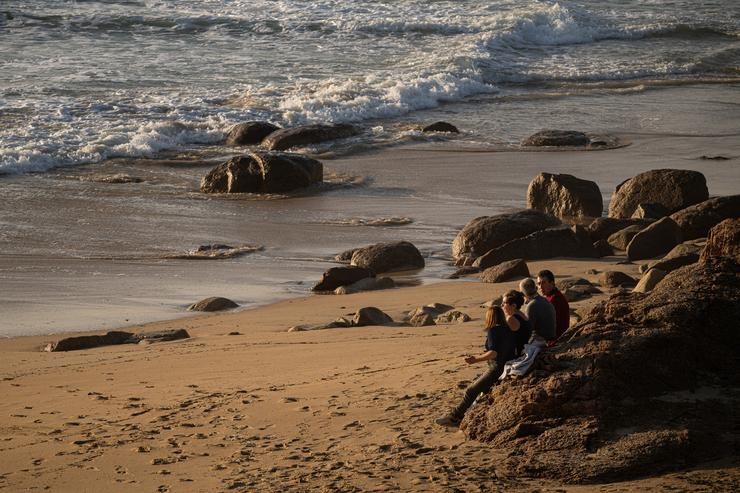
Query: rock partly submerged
286,138
249,133
557,138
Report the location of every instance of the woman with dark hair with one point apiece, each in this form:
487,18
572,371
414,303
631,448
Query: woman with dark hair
499,348
516,319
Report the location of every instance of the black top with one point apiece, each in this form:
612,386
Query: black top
523,334
501,339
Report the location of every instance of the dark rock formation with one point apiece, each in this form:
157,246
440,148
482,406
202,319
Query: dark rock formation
650,211
263,172
564,196
388,257
441,127
675,189
622,238
249,133
603,227
723,241
547,243
684,254
114,338
657,239
487,232
342,276
616,279
613,401
370,316
506,271
213,304
696,221
306,135
557,138
603,248
577,288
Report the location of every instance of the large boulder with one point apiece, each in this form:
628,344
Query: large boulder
622,238
388,257
696,221
564,196
562,241
723,241
371,316
263,172
557,138
602,228
674,189
657,239
505,271
249,133
342,276
616,279
212,304
615,399
487,232
684,254
306,135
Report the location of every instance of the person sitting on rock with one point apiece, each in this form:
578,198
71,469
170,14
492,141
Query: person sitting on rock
499,348
539,312
516,319
546,282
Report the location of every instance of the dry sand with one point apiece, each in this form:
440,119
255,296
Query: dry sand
267,410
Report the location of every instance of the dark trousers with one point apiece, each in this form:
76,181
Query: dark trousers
481,385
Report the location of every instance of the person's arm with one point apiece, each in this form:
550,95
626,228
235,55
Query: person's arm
511,320
483,357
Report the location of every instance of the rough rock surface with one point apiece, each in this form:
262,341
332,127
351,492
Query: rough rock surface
115,337
616,279
422,320
603,227
622,238
370,316
464,271
650,211
723,240
487,232
388,257
557,138
441,127
263,172
249,133
309,134
657,239
674,189
548,243
433,309
696,221
613,400
564,196
366,284
684,254
506,271
649,280
213,304
453,316
341,276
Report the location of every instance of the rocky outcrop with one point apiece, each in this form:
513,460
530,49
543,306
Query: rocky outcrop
249,133
603,227
263,172
115,338
213,304
441,127
506,271
650,211
487,232
657,239
557,138
615,398
562,241
674,189
341,276
697,220
564,196
616,279
366,284
388,257
286,138
371,316
723,241
622,238
684,254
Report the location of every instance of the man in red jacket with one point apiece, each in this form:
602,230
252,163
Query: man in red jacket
546,283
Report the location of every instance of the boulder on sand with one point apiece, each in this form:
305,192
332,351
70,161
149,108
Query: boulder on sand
388,257
263,172
115,338
696,221
554,138
213,304
723,241
564,196
306,135
622,238
506,271
616,279
602,228
249,133
615,398
341,276
674,189
371,316
657,239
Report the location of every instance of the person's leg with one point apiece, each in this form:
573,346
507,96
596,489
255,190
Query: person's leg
482,384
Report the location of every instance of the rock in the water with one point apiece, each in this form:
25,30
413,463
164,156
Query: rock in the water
723,241
249,133
213,304
487,232
696,221
263,172
674,189
595,408
367,284
388,257
603,227
506,271
548,243
309,134
342,276
616,279
650,211
119,178
557,138
464,271
684,254
649,280
453,316
622,238
564,196
441,127
370,316
657,239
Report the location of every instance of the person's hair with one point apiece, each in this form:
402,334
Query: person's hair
495,316
528,286
515,296
546,274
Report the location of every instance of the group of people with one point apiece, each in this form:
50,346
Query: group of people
524,317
